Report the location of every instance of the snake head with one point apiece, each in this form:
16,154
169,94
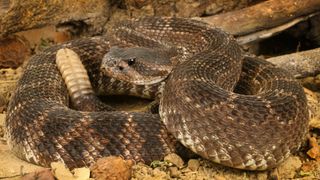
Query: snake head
137,65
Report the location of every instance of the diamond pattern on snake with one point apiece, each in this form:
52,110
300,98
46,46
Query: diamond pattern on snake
238,111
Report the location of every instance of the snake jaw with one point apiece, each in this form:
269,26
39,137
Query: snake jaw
140,68
125,73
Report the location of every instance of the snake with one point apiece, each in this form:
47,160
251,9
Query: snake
232,109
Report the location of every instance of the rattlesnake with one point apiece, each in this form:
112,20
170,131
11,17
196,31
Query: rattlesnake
254,130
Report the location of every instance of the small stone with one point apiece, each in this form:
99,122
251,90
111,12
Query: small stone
217,177
289,167
309,166
174,159
159,174
262,176
2,103
112,167
60,171
314,152
45,174
82,173
193,164
14,50
141,171
273,174
174,172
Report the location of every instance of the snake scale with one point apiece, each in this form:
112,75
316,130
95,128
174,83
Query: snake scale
253,124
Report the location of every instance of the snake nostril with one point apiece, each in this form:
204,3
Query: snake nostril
120,68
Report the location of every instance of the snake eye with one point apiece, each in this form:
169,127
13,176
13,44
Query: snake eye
131,61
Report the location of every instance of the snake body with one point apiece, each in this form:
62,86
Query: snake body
255,130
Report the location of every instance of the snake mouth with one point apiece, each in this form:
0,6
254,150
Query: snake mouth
149,81
143,68
131,76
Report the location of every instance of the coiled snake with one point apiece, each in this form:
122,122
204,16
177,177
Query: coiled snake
254,130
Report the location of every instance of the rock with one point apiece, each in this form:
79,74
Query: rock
193,164
288,168
8,80
61,172
112,167
273,174
314,123
314,152
2,103
158,174
262,176
314,106
174,172
217,177
141,171
309,167
82,173
45,174
174,159
14,50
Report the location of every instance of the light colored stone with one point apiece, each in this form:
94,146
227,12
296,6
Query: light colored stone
193,164
288,168
174,172
217,177
174,159
262,176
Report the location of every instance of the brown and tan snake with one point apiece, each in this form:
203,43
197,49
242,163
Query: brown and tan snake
240,112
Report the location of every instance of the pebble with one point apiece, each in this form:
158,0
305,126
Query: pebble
289,167
193,164
112,167
174,159
217,177
174,172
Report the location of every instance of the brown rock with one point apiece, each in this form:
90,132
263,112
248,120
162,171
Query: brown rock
288,168
174,172
158,174
314,152
2,103
174,159
45,174
193,164
112,167
309,166
262,176
13,51
313,102
61,172
217,177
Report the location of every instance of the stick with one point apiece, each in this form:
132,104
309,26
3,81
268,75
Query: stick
300,64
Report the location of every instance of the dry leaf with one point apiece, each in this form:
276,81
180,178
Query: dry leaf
14,50
314,152
61,172
309,166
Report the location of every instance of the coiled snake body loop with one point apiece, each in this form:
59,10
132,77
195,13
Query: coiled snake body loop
254,130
